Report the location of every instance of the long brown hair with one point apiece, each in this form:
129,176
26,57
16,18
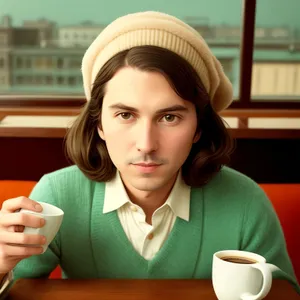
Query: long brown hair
88,151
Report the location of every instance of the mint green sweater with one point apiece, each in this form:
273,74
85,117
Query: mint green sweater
230,212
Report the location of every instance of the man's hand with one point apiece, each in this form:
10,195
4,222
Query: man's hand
14,244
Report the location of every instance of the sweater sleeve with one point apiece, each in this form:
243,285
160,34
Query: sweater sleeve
39,266
262,234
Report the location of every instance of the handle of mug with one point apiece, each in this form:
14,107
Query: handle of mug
266,271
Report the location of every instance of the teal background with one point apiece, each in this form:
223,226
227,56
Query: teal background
65,12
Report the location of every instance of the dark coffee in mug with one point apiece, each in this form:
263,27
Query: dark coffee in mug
239,259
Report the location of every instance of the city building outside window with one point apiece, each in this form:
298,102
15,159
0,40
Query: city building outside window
36,37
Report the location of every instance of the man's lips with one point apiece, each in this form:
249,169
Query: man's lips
147,165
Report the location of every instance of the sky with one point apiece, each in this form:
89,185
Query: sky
69,12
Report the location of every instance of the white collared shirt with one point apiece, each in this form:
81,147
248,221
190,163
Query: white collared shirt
147,239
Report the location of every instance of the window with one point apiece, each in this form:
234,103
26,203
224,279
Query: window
60,63
276,57
19,63
20,79
75,63
43,63
60,80
55,67
72,81
3,38
67,34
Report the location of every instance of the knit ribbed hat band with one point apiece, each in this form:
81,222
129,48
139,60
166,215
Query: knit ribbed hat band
153,37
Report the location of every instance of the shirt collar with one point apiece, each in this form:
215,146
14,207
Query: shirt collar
178,200
115,194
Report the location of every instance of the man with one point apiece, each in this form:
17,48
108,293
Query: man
149,195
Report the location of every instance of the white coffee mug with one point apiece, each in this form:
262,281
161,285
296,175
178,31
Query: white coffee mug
234,280
53,217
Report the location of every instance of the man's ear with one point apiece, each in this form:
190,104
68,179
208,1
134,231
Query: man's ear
101,133
197,137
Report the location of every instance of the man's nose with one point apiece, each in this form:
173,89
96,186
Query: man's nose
146,137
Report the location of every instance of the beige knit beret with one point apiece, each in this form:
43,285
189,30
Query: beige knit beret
162,30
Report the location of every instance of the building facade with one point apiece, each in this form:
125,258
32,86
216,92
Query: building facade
46,71
78,36
5,56
43,58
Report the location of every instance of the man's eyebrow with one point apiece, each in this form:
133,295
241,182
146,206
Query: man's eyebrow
172,108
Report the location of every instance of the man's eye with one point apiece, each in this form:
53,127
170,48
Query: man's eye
125,116
169,118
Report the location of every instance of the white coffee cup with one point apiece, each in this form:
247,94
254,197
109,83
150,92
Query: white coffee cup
236,280
53,217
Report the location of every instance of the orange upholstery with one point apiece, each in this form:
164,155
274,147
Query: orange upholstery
14,188
286,201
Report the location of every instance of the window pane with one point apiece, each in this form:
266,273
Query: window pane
42,42
276,65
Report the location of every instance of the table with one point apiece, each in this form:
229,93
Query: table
54,289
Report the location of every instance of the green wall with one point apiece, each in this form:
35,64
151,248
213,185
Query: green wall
269,12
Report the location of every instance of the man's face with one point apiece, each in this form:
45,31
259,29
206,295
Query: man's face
148,129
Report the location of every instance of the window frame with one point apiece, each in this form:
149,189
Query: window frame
244,100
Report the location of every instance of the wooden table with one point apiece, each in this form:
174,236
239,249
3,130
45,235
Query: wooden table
39,289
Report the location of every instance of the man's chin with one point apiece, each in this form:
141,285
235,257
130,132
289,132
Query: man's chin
147,184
